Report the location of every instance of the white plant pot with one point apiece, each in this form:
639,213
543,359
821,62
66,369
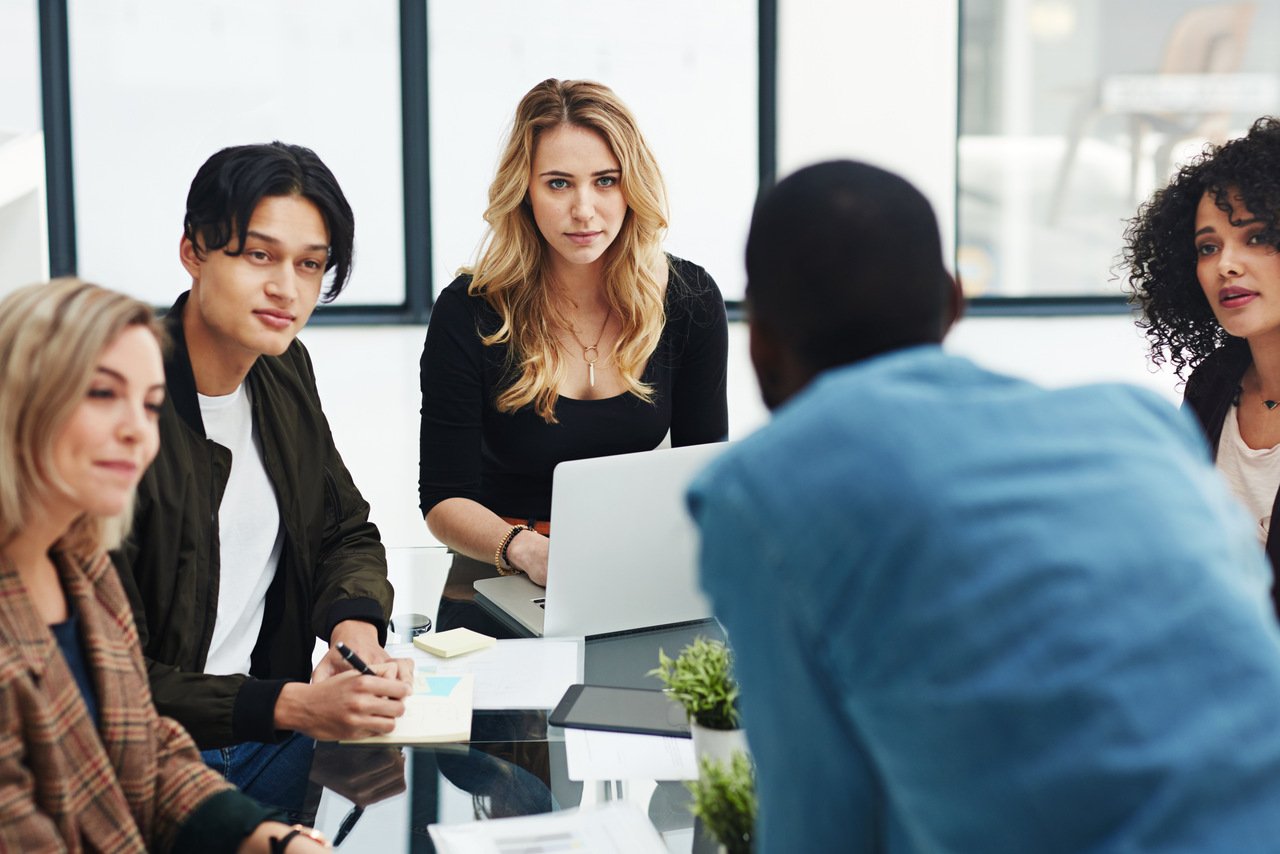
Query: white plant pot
717,744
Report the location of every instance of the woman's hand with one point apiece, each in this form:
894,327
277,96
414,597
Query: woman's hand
259,842
527,552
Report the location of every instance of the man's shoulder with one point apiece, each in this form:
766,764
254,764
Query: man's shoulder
882,419
291,368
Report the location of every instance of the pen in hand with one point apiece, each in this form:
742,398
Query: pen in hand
354,660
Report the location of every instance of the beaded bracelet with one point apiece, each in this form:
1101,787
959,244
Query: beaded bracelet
500,555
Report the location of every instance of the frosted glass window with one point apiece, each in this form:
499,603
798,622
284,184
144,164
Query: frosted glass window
1075,111
157,88
19,68
24,245
688,71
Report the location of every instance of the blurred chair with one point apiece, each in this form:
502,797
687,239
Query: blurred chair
1209,39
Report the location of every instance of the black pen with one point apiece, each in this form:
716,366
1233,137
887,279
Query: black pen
347,824
354,660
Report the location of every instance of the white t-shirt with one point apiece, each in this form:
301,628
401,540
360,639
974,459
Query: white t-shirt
249,535
1253,474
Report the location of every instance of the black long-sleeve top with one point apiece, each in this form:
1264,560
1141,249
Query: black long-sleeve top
468,449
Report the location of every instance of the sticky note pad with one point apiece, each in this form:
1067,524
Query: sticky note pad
453,642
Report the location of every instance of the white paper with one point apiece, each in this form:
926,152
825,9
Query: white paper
598,755
438,711
616,827
511,674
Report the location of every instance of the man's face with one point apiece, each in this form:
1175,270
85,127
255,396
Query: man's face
255,303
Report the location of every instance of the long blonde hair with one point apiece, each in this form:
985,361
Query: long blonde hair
512,273
51,335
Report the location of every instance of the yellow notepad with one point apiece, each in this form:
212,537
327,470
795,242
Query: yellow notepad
438,710
453,642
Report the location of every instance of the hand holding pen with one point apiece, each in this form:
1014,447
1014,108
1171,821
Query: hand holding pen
349,655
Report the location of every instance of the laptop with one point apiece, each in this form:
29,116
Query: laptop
624,552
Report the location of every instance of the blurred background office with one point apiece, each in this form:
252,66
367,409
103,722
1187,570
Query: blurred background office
1034,126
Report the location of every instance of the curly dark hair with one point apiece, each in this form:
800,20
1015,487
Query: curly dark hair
1159,257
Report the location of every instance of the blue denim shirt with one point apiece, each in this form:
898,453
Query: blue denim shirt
974,615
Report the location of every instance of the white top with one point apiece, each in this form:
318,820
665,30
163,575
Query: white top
1254,475
249,535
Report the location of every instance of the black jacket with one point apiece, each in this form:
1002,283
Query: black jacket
1210,393
332,566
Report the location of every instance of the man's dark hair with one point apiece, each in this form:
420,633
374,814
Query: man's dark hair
230,184
844,261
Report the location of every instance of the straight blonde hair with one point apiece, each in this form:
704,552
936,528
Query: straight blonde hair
51,336
513,270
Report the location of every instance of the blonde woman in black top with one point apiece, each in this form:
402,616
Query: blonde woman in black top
573,336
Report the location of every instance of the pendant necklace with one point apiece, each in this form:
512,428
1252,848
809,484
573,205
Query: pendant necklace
591,353
1269,404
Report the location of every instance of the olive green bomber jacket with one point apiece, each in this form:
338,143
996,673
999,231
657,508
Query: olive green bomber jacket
332,567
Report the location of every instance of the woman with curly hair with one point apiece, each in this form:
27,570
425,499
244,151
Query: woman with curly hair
573,336
1203,259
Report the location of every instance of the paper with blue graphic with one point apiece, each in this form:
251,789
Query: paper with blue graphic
438,711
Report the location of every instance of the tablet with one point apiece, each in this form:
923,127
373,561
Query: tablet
620,710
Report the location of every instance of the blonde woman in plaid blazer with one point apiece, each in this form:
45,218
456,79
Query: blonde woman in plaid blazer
85,761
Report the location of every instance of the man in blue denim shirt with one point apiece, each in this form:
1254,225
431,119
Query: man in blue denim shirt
971,614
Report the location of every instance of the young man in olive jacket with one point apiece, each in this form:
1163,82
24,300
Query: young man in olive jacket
250,539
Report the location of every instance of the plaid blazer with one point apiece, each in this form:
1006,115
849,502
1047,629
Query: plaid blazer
64,785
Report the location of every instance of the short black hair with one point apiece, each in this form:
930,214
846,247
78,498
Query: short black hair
844,261
1159,256
231,183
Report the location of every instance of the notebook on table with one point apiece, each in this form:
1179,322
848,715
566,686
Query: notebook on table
438,711
624,552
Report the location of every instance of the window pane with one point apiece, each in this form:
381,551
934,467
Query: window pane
1075,111
687,71
19,68
154,93
24,254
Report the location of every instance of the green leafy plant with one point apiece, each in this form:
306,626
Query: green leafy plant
725,799
701,680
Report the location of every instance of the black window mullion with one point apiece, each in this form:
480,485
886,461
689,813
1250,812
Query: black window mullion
55,100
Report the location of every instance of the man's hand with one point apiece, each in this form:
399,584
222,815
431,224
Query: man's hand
362,639
348,705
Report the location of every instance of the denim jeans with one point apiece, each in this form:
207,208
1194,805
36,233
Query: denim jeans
274,775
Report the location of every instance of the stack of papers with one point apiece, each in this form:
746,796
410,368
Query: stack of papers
511,674
616,827
598,755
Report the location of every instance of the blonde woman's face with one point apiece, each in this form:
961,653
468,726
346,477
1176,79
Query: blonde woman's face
112,436
575,190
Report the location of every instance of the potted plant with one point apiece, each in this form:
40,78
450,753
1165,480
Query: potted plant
701,680
724,798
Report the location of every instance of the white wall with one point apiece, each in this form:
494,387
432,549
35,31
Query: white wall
368,379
